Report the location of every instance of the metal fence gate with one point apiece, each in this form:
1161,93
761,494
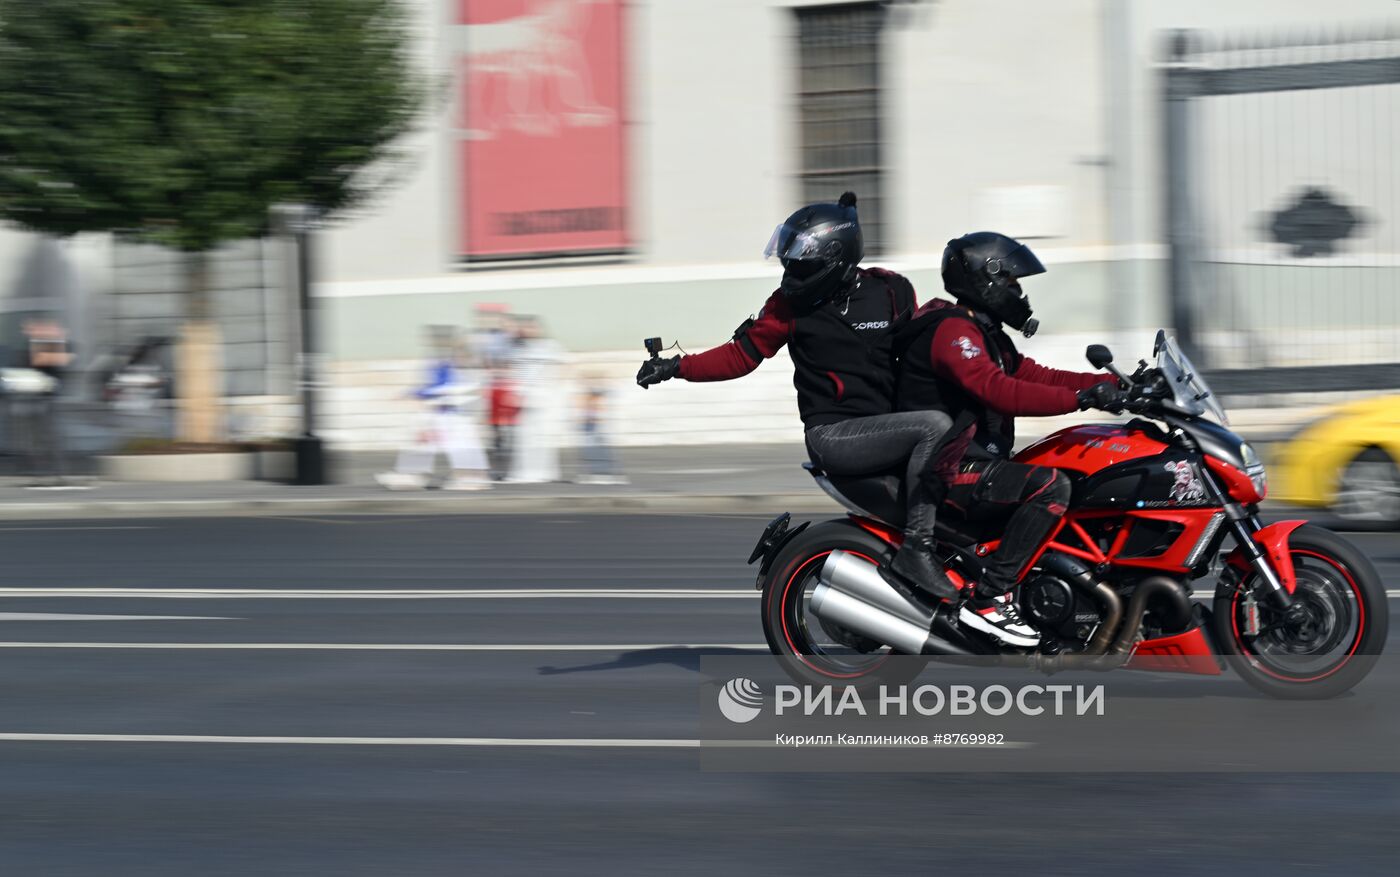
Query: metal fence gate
1282,161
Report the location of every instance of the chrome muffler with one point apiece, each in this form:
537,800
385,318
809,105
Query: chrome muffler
852,594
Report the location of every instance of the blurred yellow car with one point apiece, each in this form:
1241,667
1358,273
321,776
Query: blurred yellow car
1345,461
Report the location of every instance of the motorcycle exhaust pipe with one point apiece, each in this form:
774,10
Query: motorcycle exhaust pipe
1178,613
853,595
861,580
840,608
1079,576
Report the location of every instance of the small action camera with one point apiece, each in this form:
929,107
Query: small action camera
653,347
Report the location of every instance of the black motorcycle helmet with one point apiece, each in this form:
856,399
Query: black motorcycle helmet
983,269
820,247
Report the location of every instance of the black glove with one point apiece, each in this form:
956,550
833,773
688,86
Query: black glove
656,370
1105,397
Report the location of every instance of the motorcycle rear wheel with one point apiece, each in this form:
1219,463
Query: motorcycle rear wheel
808,649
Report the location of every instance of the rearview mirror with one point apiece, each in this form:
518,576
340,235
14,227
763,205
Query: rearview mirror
1099,356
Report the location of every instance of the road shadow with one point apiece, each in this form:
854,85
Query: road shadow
676,656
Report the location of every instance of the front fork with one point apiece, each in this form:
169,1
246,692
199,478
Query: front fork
1244,525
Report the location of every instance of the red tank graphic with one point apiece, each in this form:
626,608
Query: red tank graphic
1091,447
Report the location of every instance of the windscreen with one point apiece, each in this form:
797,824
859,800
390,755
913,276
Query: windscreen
1186,383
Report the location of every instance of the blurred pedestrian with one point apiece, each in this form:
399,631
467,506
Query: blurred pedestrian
451,396
503,408
492,335
535,376
33,391
599,460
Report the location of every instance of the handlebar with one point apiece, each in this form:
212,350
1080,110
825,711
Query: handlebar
1149,389
1148,394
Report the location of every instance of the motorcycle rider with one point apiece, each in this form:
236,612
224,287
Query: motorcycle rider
958,359
839,323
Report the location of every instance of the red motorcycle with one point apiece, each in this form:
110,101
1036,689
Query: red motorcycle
1298,611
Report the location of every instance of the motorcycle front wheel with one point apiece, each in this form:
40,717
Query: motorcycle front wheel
1331,644
814,652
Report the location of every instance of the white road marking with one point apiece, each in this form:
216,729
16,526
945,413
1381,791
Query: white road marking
536,742
28,529
571,742
720,471
59,616
1393,593
421,594
383,594
387,647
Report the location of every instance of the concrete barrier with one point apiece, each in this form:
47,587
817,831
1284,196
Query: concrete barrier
176,467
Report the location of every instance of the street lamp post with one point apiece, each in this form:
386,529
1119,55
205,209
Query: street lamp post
299,220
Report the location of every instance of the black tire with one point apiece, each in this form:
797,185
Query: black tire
1341,587
1368,491
789,625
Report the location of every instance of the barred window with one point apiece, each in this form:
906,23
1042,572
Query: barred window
838,96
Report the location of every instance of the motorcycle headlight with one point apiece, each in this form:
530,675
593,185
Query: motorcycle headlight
1254,468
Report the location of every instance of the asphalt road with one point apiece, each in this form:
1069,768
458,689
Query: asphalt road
486,662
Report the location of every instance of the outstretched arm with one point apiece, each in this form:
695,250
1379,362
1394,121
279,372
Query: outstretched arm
756,340
722,363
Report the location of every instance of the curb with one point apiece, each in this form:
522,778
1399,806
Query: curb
621,504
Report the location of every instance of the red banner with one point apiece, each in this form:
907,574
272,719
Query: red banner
539,126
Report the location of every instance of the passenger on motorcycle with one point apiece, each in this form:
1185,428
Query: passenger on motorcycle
958,359
839,322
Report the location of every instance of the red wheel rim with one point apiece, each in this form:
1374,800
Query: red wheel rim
1356,640
799,574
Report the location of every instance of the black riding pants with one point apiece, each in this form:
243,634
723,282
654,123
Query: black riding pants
866,445
1025,501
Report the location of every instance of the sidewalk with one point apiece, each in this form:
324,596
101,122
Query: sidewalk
760,479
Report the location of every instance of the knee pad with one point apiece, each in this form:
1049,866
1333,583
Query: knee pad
1047,484
1056,493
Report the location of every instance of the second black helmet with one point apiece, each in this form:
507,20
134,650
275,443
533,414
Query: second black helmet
983,271
820,247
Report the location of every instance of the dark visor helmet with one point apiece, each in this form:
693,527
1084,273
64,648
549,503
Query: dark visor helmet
820,247
983,269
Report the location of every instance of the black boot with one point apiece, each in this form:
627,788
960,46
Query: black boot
916,564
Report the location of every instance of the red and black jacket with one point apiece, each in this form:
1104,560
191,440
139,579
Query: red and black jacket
953,362
842,351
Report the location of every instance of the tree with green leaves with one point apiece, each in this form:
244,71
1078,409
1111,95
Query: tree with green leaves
182,122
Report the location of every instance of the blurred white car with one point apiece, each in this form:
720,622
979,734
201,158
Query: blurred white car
26,382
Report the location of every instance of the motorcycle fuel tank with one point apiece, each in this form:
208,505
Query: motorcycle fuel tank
1092,447
1121,466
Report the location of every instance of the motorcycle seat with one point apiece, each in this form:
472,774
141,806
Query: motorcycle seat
881,495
